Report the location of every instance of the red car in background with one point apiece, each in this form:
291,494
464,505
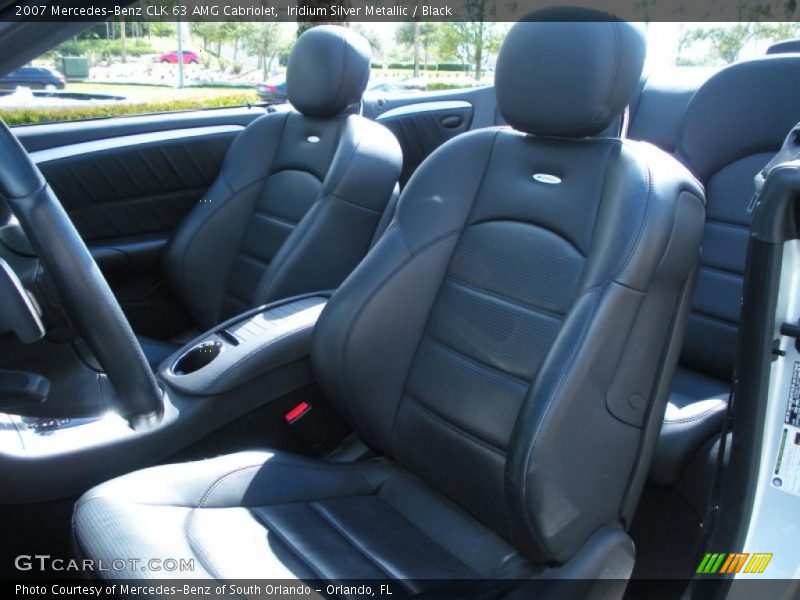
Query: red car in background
189,57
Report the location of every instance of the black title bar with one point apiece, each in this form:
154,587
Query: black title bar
385,10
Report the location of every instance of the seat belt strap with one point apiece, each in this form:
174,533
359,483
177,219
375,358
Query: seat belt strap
715,489
788,152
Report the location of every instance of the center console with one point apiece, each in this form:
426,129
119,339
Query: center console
243,348
222,375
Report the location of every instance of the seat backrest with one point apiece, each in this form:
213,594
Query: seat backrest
300,193
733,126
785,47
504,338
658,112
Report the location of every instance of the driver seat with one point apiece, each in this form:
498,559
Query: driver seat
505,348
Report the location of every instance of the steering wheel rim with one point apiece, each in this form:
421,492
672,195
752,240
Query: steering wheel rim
88,300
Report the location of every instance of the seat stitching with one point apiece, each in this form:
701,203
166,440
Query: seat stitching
354,544
381,284
459,233
321,510
206,495
202,556
596,116
270,527
731,224
715,318
477,362
356,147
261,213
640,230
722,270
218,207
499,297
699,415
546,413
457,507
210,490
261,294
457,429
374,211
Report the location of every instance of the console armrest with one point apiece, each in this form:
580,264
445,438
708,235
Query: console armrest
241,349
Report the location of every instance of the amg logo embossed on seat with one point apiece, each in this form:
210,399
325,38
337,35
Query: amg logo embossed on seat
546,178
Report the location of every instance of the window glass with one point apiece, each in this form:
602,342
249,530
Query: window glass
123,68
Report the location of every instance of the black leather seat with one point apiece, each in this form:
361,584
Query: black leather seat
733,126
299,198
785,47
505,347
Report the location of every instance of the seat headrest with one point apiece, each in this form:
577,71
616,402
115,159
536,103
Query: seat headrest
746,108
785,47
568,72
328,70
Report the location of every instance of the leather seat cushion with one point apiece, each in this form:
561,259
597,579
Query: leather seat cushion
695,411
286,516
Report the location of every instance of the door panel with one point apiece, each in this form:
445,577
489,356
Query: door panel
135,184
421,128
126,183
422,122
55,135
132,267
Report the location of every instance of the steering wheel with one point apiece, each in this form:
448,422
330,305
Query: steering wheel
88,300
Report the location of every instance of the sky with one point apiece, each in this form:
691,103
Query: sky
662,41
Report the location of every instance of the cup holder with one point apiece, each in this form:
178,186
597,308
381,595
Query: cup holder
197,358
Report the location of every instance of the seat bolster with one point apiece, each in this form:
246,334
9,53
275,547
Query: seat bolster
242,479
196,264
400,276
366,165
286,516
602,375
336,232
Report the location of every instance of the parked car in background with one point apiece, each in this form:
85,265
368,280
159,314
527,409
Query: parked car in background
393,86
273,90
36,78
189,57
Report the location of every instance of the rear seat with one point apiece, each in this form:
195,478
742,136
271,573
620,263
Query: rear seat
657,114
784,47
725,133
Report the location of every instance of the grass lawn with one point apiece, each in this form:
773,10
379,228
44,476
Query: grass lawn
139,100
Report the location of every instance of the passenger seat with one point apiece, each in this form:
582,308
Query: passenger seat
733,126
300,198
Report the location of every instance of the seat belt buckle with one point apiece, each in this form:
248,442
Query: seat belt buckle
297,413
308,426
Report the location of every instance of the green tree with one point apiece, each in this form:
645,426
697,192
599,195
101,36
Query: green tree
726,42
416,35
231,34
264,41
469,43
374,40
207,32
